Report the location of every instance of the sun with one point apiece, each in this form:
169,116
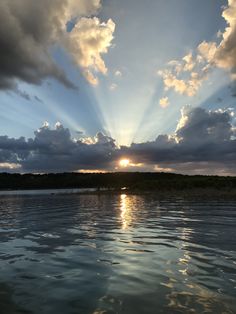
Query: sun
124,163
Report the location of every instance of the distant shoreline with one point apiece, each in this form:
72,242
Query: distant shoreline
163,184
138,182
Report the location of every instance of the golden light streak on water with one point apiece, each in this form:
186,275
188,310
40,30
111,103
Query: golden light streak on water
125,211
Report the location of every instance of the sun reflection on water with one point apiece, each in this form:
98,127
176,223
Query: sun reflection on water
125,211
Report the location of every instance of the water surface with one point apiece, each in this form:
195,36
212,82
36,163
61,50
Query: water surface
122,253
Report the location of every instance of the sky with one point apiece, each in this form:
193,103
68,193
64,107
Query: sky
118,85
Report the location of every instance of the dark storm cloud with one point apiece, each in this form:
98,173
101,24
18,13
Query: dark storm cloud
204,142
201,136
55,150
27,30
31,30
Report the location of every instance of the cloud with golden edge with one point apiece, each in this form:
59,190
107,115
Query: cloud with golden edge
207,56
164,102
87,42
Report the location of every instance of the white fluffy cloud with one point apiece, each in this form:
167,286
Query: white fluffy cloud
223,55
185,76
207,51
207,56
88,40
164,102
118,73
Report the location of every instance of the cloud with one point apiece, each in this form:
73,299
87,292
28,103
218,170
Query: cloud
113,86
204,142
207,56
201,137
30,30
185,76
207,51
189,63
225,55
118,73
55,150
164,102
198,126
22,94
86,43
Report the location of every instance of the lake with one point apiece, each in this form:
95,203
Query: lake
112,253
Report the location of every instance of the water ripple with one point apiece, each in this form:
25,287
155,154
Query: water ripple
116,254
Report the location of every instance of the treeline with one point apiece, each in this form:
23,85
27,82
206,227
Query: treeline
132,181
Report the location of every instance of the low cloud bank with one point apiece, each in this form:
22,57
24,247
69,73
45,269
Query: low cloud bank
204,142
